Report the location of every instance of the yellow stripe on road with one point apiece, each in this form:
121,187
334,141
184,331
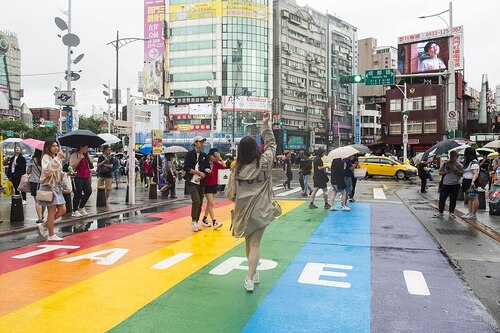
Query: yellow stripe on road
102,301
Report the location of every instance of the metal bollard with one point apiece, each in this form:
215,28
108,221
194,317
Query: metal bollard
16,209
482,198
101,196
126,195
69,204
153,192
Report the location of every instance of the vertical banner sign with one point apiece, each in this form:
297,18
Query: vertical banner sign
285,139
157,141
357,130
154,16
69,118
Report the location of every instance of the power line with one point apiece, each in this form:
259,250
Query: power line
36,74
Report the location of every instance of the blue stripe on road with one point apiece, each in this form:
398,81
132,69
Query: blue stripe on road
322,303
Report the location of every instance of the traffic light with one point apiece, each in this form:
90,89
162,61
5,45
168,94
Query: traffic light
352,79
279,123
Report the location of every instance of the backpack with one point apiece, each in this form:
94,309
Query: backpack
482,178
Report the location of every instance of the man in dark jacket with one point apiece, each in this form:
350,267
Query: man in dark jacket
16,168
196,166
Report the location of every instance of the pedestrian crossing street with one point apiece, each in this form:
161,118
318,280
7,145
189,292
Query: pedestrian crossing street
366,190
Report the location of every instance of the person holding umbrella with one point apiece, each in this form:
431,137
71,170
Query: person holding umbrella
15,169
34,171
320,179
105,178
451,173
80,162
471,172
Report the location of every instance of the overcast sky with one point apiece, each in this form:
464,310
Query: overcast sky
96,23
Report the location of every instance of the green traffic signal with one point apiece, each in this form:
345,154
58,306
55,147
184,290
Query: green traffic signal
352,79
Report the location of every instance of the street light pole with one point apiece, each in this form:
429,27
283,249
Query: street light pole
117,44
212,113
233,143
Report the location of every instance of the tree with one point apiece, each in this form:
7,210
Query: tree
90,123
17,126
41,133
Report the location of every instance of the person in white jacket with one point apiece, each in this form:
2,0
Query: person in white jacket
250,188
51,180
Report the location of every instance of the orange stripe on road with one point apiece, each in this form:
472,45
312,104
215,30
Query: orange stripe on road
24,286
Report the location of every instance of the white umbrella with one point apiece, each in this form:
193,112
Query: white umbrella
493,144
109,138
418,158
175,149
11,140
343,152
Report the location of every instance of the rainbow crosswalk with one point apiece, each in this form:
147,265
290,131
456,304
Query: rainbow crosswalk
315,273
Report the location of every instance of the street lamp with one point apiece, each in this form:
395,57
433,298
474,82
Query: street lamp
117,44
451,63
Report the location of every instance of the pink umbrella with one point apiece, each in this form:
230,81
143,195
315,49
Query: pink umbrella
33,143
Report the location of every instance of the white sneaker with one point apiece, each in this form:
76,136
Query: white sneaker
248,285
82,211
54,238
206,223
452,216
25,202
473,217
42,230
195,226
346,208
256,277
217,225
438,215
76,214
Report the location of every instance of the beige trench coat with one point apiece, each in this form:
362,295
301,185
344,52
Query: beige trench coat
252,191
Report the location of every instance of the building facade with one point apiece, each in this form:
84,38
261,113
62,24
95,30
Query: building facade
219,49
10,76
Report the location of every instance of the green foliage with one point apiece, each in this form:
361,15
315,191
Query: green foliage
17,126
41,133
90,123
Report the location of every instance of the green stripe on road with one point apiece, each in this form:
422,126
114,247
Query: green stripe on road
218,303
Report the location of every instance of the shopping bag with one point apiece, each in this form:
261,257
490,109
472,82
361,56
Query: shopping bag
360,173
223,177
24,184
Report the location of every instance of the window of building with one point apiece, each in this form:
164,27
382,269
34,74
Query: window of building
430,126
395,128
191,61
199,45
414,127
430,102
395,105
193,30
197,76
414,104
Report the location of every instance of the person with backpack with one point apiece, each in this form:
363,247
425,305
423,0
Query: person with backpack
451,174
423,174
471,173
305,166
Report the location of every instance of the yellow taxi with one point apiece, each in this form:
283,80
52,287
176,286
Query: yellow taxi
385,166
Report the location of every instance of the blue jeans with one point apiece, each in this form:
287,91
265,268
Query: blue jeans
348,189
306,184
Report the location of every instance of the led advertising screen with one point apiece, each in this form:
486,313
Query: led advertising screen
430,51
423,56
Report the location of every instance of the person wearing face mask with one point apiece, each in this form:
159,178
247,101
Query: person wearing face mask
451,178
17,168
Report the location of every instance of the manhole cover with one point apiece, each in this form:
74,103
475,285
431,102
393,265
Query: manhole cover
454,232
423,208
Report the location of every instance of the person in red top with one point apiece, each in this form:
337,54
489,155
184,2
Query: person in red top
80,162
148,169
211,186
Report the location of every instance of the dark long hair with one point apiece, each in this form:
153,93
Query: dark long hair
470,155
248,152
47,145
38,156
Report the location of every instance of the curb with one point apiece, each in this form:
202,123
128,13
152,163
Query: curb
90,216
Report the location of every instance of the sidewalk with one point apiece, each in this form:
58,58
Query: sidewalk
116,205
486,223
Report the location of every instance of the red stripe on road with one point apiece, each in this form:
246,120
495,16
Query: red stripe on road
89,239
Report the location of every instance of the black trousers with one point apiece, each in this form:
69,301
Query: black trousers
423,184
353,189
289,177
197,192
452,192
83,190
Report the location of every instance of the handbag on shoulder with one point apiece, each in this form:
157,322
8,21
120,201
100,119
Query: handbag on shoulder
43,195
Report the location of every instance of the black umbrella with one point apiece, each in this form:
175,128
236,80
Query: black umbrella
78,138
443,147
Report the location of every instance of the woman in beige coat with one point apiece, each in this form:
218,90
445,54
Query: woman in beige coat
250,188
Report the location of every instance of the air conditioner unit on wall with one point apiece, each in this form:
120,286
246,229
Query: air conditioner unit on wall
285,14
